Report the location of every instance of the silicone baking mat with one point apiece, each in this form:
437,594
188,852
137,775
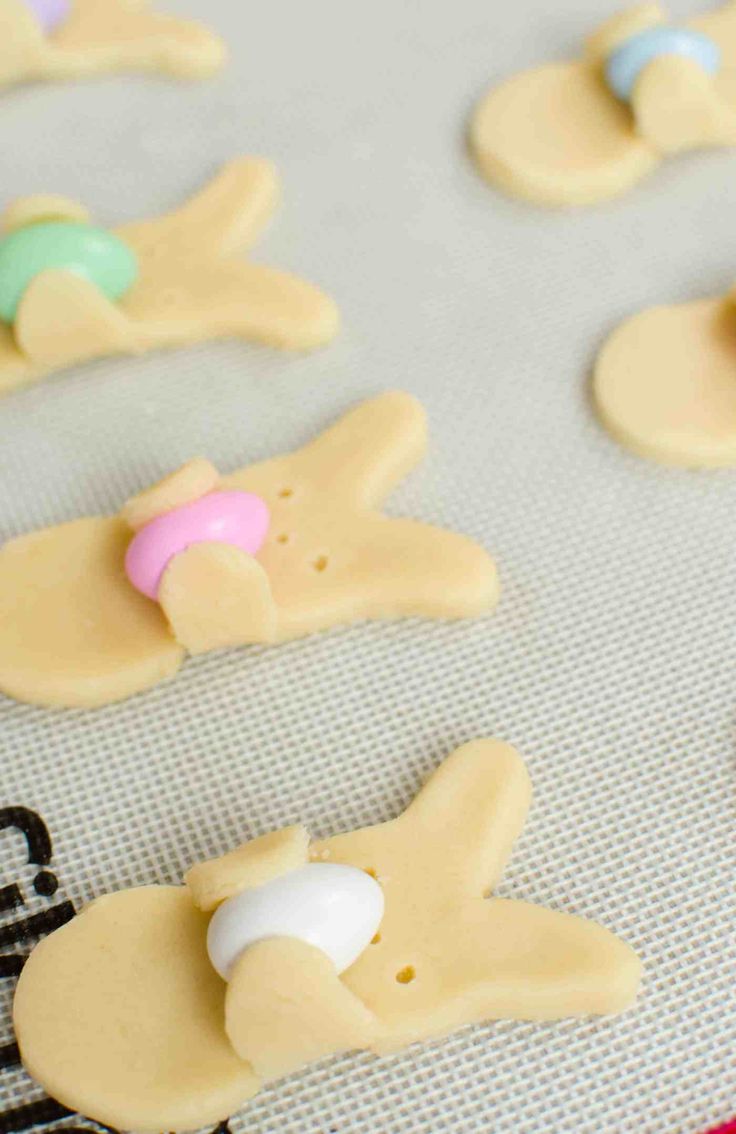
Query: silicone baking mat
610,660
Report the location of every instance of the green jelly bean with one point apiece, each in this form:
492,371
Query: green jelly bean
90,252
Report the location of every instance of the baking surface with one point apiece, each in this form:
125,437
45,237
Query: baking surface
610,660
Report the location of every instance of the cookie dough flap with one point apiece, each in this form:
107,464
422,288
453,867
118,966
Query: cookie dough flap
73,632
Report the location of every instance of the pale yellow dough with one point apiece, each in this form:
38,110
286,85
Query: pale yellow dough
74,632
121,1016
556,135
665,384
117,1016
193,284
104,35
252,864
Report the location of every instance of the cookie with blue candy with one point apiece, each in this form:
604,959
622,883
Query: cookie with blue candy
574,133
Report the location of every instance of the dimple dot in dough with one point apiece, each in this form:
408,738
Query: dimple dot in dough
665,384
121,1013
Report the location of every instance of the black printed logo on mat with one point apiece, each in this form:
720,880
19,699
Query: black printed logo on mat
30,909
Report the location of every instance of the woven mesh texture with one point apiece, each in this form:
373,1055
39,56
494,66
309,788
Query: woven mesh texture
610,660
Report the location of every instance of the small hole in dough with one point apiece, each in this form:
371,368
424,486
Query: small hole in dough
376,939
285,493
321,562
283,538
406,975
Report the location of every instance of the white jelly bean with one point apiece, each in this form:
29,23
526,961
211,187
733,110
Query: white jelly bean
335,908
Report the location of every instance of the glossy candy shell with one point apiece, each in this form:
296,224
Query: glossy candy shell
93,253
335,908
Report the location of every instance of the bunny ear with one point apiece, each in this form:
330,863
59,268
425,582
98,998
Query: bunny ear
369,450
224,218
404,568
225,298
267,306
230,212
126,34
475,806
494,959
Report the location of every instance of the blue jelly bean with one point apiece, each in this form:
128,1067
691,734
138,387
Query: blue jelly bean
92,253
626,62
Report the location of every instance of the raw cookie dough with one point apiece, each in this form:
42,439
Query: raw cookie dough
193,284
74,631
665,384
122,1018
104,35
557,135
122,990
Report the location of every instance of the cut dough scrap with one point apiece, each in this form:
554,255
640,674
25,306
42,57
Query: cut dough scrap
193,480
105,35
73,631
330,557
252,864
556,135
286,1007
193,285
119,1015
214,596
665,384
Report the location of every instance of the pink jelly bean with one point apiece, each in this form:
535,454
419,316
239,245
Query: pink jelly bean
50,13
235,518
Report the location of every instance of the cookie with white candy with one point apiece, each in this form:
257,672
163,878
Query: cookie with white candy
370,940
66,39
274,551
71,291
